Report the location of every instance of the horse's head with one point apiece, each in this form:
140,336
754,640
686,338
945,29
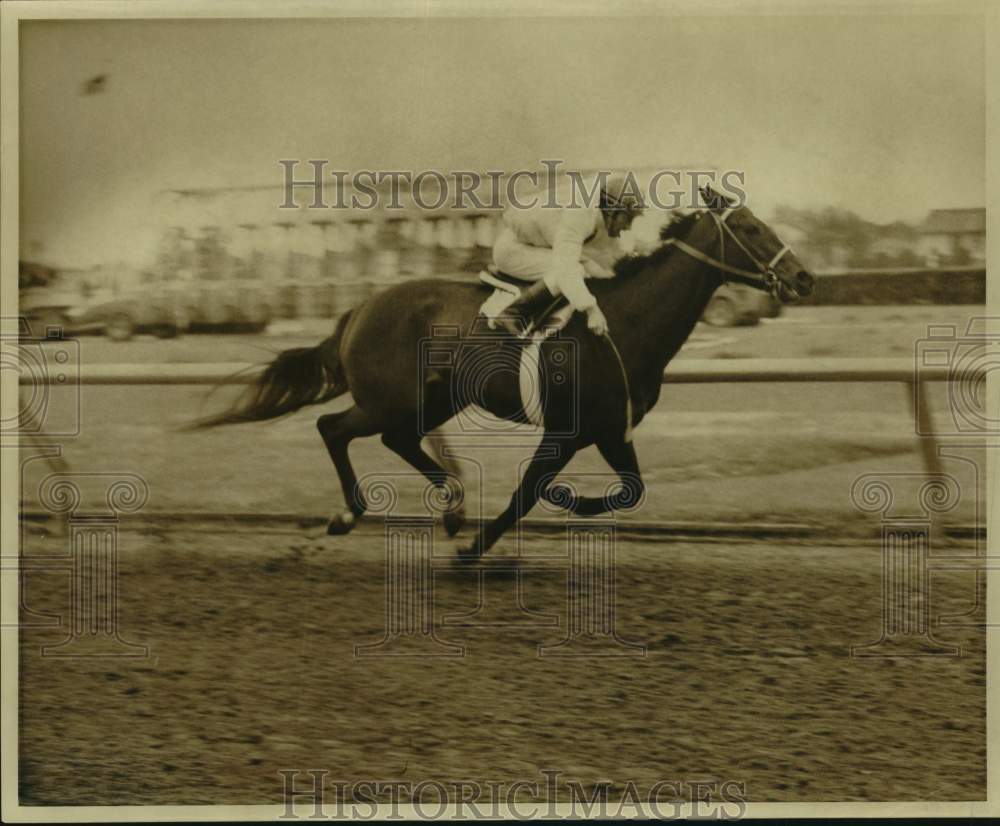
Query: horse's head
752,253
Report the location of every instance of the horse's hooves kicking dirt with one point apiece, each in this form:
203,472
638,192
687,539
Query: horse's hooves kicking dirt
453,522
341,523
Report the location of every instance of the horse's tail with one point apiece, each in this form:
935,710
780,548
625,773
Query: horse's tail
297,377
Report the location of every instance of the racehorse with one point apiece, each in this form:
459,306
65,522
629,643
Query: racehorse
652,305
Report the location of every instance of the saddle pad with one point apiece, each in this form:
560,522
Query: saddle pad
530,371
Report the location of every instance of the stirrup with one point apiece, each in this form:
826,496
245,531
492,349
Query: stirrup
528,311
514,325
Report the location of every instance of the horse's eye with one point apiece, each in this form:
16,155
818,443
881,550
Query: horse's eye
753,230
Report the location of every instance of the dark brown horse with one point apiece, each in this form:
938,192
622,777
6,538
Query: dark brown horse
378,353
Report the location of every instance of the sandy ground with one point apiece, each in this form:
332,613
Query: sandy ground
747,677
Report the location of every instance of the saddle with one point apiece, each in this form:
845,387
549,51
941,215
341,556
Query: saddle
518,306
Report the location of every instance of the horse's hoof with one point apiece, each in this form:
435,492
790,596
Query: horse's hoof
469,553
453,521
341,523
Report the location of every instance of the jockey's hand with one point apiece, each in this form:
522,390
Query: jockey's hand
596,322
596,270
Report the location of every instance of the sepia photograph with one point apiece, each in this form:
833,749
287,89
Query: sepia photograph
500,410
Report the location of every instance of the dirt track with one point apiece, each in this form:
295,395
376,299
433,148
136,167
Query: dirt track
747,677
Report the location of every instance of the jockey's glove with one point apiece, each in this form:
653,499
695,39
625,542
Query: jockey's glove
596,322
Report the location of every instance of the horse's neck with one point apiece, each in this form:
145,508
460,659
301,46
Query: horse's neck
677,291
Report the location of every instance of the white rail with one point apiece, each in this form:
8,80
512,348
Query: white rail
683,371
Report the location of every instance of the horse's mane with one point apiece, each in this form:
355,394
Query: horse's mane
629,265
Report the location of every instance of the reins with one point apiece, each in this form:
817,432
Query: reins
628,391
765,278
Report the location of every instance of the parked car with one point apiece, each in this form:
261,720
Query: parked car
53,300
45,298
158,311
737,305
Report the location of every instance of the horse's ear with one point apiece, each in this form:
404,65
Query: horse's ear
715,201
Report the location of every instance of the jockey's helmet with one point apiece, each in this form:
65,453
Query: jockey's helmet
620,193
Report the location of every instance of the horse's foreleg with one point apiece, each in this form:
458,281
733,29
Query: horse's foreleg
443,473
337,430
551,457
620,455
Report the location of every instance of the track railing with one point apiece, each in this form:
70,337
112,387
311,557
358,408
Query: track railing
684,371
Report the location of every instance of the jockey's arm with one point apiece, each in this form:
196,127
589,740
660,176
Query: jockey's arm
567,273
599,257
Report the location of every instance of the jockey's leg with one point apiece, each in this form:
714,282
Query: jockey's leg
533,305
518,259
527,262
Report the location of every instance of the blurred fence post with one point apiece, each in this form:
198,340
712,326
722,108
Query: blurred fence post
924,426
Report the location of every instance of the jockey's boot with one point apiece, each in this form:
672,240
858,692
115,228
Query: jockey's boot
530,308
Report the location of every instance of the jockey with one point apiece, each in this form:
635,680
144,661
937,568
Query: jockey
560,246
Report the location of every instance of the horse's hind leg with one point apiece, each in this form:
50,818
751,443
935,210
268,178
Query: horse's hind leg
337,430
454,517
443,472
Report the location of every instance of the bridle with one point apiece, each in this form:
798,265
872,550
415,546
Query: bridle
765,278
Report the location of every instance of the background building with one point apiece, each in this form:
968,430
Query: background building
953,236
